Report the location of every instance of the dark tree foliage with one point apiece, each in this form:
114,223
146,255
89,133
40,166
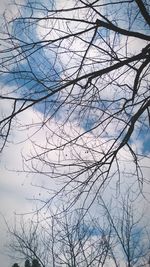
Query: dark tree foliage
15,265
27,263
84,67
35,263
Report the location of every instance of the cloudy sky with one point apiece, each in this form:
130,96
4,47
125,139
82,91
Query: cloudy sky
17,189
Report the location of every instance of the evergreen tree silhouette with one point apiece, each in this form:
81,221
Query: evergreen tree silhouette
27,263
35,263
15,265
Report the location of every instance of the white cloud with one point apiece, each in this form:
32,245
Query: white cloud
15,188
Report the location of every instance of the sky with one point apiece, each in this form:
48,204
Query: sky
14,188
17,188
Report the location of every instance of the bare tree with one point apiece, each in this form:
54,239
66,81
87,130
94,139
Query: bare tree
118,236
63,240
84,66
130,233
